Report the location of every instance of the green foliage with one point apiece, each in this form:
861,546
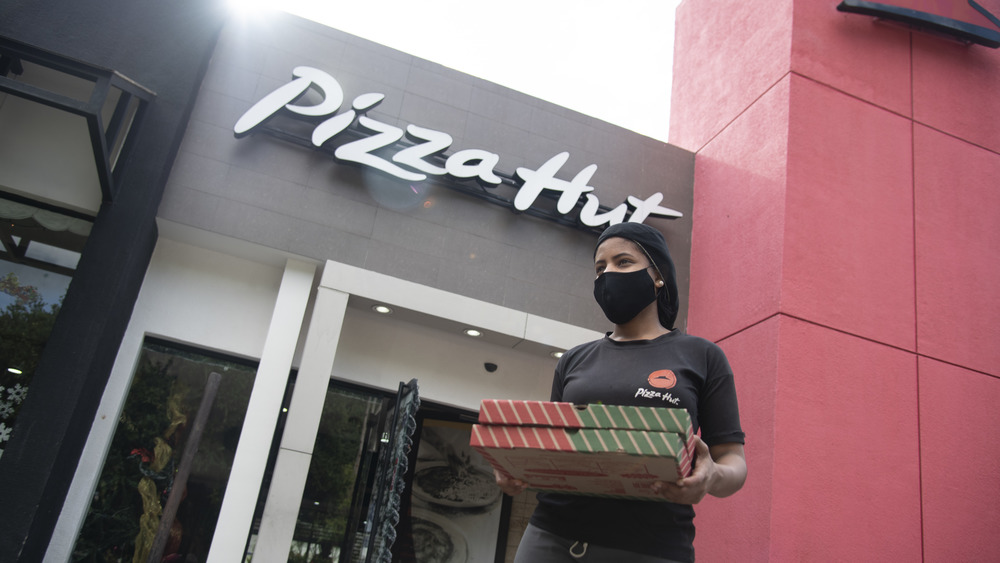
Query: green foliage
109,532
25,325
166,377
332,474
10,285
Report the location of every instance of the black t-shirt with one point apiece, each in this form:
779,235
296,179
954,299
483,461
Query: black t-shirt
673,371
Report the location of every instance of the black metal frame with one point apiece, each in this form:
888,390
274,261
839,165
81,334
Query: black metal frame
962,31
12,53
17,253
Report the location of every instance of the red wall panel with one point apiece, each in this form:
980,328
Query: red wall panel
844,226
955,89
848,248
738,528
738,217
959,461
733,51
846,468
958,250
854,54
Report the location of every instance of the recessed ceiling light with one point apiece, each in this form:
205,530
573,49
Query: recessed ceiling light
382,309
557,354
472,332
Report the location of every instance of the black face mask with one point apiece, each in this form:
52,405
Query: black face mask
623,295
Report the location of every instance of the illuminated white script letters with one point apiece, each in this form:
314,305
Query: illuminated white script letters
411,164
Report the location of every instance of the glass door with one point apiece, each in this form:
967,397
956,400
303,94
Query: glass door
393,478
343,512
390,475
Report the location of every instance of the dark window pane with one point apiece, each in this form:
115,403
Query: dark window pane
37,257
152,431
344,445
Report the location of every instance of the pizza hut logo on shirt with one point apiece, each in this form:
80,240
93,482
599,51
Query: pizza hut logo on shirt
662,379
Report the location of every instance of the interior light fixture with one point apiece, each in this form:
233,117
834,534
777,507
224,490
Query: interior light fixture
382,309
15,371
472,332
557,354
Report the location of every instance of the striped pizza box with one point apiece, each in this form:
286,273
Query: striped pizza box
599,462
569,415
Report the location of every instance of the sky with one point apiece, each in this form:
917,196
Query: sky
609,60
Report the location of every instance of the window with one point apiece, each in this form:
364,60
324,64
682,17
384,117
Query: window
140,471
40,249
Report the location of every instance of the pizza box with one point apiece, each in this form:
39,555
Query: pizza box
569,415
602,450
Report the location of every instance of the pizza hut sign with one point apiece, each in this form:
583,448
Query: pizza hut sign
413,164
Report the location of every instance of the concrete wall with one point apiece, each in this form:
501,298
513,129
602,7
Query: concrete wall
844,257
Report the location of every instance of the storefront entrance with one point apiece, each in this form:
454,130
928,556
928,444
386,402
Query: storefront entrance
448,509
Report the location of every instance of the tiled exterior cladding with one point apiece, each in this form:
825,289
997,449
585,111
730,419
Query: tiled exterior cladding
294,199
843,252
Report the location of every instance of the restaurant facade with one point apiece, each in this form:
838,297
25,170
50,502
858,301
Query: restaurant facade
268,256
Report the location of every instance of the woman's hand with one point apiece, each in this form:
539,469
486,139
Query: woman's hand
512,487
719,471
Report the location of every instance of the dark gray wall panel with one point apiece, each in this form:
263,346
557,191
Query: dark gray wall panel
458,243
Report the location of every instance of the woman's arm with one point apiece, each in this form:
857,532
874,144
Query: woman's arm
718,471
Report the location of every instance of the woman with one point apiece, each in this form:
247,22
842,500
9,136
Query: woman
637,290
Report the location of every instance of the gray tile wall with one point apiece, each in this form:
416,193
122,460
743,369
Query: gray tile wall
295,199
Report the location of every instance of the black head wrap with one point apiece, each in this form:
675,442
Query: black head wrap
654,245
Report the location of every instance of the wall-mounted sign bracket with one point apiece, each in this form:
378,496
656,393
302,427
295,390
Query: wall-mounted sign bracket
931,23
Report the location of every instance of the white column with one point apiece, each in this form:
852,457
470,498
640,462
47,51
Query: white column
278,522
236,513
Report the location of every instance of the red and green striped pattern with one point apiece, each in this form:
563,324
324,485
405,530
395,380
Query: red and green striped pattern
568,415
578,440
608,462
585,440
600,450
